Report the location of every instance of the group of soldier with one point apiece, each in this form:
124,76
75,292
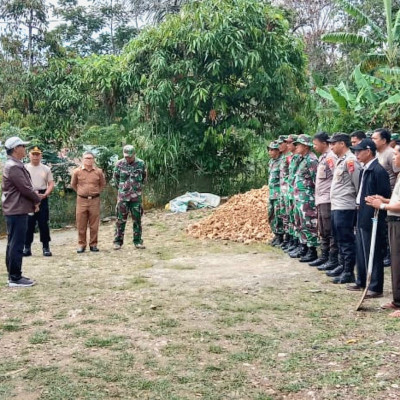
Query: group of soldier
329,201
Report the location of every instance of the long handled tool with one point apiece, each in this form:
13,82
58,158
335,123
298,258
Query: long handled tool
371,257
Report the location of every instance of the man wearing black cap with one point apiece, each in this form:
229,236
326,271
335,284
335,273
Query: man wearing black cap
374,181
18,200
43,183
343,206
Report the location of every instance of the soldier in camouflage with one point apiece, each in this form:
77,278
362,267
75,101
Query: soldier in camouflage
293,164
283,174
129,176
274,213
304,200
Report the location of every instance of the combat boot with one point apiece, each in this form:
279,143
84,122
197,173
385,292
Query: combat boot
322,259
345,277
335,272
295,251
279,240
285,242
331,264
310,256
290,244
294,245
299,252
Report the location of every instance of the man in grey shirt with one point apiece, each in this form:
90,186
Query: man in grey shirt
343,206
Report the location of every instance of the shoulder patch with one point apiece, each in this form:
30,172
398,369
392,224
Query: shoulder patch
330,162
350,166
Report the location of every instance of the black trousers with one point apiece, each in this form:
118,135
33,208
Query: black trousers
343,222
16,230
42,219
363,241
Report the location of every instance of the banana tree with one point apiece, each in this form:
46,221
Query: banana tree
384,58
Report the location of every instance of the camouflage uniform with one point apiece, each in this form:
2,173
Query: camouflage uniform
128,179
304,195
293,166
283,175
274,212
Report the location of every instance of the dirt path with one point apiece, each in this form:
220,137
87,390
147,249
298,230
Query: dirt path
188,319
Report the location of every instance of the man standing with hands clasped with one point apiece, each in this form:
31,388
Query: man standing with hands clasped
129,176
18,200
374,181
43,183
88,182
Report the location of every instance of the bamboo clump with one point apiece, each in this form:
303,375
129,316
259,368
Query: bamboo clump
243,218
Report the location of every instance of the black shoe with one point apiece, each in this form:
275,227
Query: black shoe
303,251
335,272
345,277
320,260
294,245
80,250
27,252
387,261
295,251
329,265
310,256
94,248
47,252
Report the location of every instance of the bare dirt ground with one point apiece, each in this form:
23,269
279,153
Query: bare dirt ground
188,319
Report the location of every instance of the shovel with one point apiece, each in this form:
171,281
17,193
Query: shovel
371,257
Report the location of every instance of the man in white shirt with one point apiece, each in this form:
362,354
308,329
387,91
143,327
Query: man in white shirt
43,184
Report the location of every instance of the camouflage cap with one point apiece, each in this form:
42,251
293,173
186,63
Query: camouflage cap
281,139
395,136
304,139
128,150
273,145
291,138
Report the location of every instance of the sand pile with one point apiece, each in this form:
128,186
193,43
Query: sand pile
243,218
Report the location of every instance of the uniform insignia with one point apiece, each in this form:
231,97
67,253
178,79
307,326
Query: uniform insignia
330,163
350,166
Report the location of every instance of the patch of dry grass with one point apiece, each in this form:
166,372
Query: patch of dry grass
188,319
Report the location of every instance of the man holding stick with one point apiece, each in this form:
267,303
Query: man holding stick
392,206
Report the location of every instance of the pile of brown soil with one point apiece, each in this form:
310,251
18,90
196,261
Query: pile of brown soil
243,218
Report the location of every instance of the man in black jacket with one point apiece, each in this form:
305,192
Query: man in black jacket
374,180
18,200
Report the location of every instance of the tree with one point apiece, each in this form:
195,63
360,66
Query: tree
214,70
24,19
102,27
310,20
384,42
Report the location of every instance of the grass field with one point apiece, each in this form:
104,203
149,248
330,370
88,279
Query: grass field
189,319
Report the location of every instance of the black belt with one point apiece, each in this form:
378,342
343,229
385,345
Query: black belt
391,218
89,197
42,191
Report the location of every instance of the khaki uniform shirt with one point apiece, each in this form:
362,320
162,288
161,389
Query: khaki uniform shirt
40,174
345,182
88,183
395,199
323,182
385,158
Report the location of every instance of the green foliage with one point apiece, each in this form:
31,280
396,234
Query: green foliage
204,73
370,99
